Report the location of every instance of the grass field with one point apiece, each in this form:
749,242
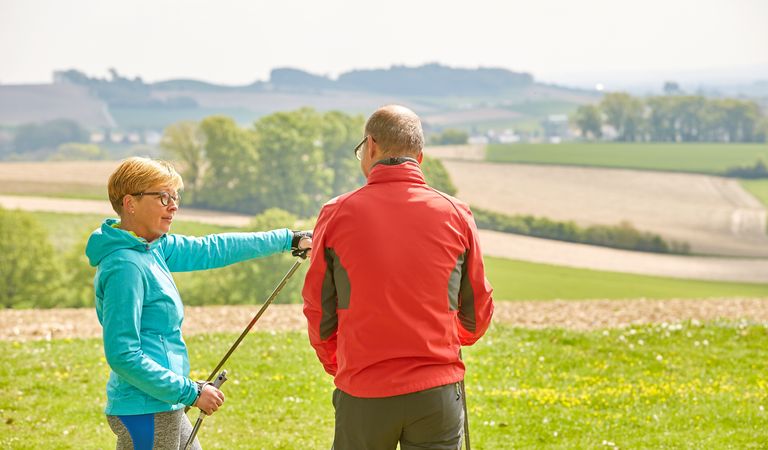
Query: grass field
698,158
512,280
758,188
520,280
66,230
657,386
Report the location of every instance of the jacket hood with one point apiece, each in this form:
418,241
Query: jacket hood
107,239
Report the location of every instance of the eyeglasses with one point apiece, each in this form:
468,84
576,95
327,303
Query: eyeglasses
359,147
165,197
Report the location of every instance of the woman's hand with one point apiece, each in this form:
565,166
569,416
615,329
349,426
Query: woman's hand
210,399
304,243
302,240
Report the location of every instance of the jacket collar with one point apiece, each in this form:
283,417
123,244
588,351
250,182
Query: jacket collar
396,169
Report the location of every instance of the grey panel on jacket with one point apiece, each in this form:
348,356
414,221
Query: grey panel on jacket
335,294
467,302
454,282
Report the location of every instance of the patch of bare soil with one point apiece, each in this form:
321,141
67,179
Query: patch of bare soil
25,325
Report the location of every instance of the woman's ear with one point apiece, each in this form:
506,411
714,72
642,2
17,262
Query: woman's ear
129,203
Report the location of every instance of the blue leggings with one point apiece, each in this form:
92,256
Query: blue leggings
159,431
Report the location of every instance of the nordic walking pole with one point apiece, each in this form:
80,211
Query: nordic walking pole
264,307
466,413
302,255
217,384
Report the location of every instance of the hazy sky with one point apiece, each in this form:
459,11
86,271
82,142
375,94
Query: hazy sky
237,42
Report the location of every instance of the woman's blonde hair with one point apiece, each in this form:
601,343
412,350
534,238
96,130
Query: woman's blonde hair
137,174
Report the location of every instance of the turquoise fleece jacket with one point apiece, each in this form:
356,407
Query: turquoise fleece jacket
140,310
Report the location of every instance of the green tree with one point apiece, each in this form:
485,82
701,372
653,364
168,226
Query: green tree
625,114
184,142
29,273
77,275
232,179
450,137
48,135
436,175
589,120
79,152
740,119
340,133
296,177
662,122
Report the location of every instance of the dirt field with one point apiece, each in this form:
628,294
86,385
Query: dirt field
715,215
92,173
23,325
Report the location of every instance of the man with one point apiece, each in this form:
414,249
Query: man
395,287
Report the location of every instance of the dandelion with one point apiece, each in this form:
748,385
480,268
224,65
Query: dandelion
641,342
761,408
659,357
705,342
554,434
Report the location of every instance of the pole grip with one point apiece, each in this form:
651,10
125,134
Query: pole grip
220,379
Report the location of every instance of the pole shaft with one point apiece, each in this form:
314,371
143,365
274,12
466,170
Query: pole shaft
256,317
466,411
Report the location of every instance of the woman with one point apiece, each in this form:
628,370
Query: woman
140,309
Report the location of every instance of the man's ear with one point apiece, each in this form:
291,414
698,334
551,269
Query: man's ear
372,148
419,157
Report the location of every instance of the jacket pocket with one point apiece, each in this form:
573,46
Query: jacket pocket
174,358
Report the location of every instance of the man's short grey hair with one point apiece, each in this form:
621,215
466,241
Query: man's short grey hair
397,131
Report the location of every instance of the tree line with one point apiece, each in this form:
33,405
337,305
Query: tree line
281,170
623,236
672,118
295,161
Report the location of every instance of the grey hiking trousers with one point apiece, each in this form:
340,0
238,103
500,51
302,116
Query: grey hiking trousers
160,431
429,419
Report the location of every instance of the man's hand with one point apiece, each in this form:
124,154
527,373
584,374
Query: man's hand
210,399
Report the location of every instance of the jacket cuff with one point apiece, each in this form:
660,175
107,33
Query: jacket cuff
191,392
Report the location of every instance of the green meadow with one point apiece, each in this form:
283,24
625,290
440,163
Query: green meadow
512,279
758,188
675,157
522,280
686,385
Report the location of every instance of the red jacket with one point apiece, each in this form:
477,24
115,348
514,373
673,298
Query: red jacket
395,286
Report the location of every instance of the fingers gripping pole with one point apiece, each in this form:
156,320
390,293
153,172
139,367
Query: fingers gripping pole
217,383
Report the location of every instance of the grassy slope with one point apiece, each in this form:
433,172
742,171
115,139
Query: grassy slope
67,230
532,281
758,188
512,280
701,158
685,386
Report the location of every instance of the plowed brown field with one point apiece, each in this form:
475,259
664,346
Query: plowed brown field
23,325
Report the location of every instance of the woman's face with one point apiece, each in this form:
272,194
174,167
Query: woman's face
151,219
